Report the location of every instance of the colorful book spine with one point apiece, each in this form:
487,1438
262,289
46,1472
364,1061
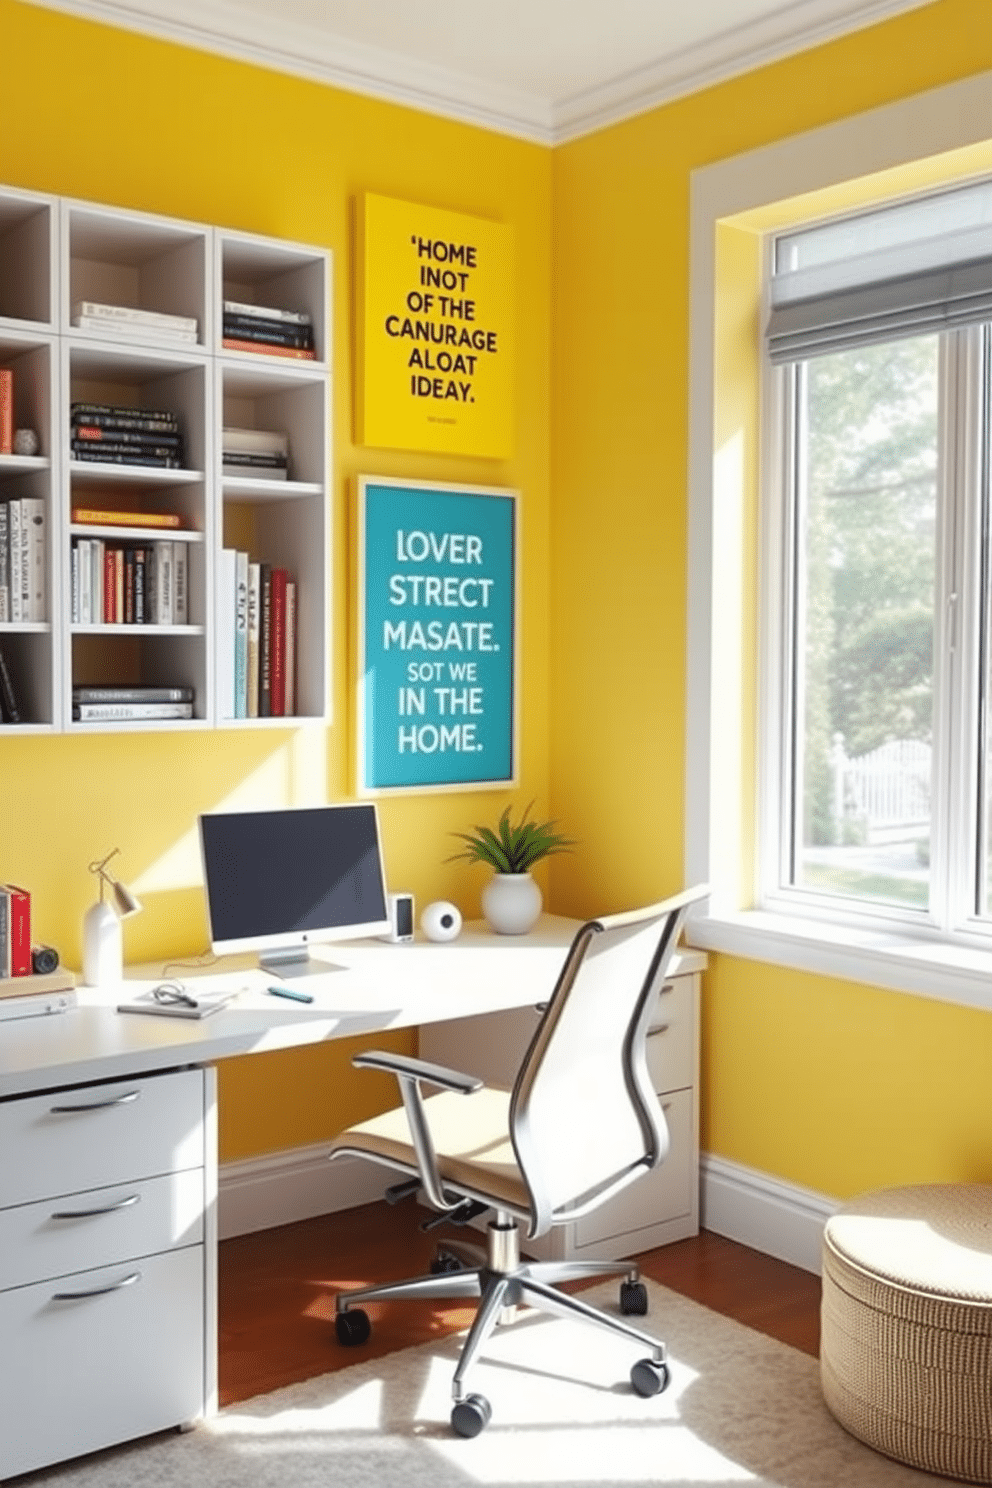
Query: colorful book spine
278,646
290,667
6,410
254,612
180,583
123,712
241,635
89,516
19,910
269,348
4,561
226,611
164,612
98,311
265,644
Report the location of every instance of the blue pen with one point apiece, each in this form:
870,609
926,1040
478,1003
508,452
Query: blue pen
288,992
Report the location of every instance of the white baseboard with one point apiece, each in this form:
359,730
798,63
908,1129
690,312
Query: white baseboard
781,1219
282,1187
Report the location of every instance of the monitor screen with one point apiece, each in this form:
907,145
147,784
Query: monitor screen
278,880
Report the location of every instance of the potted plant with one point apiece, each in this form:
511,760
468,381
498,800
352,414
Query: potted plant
511,900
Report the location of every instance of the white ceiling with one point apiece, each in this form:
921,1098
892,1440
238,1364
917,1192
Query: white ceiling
543,69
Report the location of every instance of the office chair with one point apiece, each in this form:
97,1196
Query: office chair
581,1123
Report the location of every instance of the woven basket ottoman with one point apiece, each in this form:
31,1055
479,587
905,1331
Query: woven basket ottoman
906,1341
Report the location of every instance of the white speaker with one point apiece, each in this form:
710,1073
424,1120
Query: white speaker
400,908
441,920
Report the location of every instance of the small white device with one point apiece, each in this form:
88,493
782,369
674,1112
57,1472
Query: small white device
400,907
441,920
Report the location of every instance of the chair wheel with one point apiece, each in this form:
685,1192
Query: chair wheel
633,1298
649,1377
352,1328
444,1262
471,1415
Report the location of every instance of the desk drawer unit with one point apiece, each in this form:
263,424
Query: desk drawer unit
106,1282
99,1357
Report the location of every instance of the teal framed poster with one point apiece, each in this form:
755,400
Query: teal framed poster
437,651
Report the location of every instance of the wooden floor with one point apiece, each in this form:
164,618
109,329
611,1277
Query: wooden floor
277,1293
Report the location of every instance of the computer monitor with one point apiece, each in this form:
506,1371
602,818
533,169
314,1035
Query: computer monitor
278,881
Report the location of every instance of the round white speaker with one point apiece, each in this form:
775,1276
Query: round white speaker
441,920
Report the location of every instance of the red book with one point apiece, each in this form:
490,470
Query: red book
19,901
277,663
6,410
299,353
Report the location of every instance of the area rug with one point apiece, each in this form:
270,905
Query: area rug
741,1409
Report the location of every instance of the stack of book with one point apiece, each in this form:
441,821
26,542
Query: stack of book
99,704
23,591
287,333
126,436
124,322
255,452
257,637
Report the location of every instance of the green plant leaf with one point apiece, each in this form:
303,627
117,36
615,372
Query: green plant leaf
512,847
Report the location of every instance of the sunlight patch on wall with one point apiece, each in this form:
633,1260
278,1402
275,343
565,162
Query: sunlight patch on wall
295,775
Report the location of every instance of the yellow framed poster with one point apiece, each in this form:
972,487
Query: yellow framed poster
435,313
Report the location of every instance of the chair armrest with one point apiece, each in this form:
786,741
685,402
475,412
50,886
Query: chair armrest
417,1069
410,1072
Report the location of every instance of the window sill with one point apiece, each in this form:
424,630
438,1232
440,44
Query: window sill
880,958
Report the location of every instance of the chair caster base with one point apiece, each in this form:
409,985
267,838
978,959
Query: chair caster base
471,1415
649,1377
633,1299
352,1328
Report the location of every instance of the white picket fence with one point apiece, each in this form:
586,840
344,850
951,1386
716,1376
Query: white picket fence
888,789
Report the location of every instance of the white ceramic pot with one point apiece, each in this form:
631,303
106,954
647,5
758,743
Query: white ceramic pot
511,903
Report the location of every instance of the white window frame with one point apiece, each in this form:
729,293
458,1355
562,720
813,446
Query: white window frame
940,136
957,651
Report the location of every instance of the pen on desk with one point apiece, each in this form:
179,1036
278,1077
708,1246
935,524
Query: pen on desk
290,993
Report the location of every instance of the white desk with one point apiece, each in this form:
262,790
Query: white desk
108,1176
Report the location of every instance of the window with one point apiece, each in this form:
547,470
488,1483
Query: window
879,572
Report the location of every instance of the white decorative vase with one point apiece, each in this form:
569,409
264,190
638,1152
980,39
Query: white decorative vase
511,903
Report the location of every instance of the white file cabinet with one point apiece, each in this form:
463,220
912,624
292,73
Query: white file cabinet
659,1208
107,1271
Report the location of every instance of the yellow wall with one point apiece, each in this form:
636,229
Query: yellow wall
828,1084
824,1083
105,115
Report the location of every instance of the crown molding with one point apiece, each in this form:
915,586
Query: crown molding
309,52
794,28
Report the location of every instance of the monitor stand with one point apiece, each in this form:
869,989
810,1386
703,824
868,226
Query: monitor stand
290,962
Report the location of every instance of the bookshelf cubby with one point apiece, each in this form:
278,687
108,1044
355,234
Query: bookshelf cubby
124,310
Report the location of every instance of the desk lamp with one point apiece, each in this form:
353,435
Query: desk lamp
103,949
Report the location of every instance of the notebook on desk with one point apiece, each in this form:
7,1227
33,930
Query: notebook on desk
173,1000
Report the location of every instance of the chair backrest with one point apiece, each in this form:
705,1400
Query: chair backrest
584,1118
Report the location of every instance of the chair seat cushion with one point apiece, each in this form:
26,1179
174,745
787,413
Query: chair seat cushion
471,1139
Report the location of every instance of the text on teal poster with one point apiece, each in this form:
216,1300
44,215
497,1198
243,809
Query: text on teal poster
439,601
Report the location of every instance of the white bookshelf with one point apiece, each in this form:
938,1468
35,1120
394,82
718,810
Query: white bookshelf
55,253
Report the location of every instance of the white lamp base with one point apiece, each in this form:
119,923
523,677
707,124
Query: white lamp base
103,946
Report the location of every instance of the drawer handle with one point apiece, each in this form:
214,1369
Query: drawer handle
115,1286
660,1028
116,1100
124,1203
667,987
